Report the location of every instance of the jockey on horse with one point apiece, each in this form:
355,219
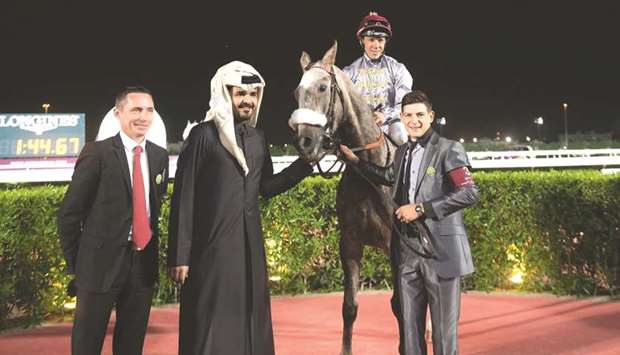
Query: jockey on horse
381,79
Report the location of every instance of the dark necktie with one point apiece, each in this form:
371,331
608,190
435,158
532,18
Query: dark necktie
410,146
141,229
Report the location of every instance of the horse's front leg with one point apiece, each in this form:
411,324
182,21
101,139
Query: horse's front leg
350,256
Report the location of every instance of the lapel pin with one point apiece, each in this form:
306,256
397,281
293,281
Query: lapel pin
431,171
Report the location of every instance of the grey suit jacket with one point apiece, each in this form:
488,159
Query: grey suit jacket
443,224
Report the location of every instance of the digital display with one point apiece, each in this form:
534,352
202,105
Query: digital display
41,135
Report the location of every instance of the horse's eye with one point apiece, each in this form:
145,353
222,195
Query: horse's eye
322,87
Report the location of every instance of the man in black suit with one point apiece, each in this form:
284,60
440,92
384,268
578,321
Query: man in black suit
429,250
108,229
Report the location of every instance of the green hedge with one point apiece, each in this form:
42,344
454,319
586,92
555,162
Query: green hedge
559,229
32,278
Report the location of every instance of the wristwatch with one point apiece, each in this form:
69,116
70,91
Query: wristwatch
419,208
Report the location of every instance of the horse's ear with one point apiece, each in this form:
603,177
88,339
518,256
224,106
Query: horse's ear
330,56
304,60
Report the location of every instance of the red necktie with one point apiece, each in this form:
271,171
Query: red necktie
141,232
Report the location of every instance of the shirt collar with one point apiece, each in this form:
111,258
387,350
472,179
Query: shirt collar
373,61
130,144
423,141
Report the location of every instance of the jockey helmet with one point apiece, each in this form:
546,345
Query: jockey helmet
374,25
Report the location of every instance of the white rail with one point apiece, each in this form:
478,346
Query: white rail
545,159
61,169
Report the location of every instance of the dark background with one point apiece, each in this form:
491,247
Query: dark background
488,66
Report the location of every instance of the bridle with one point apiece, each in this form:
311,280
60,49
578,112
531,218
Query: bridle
330,140
330,137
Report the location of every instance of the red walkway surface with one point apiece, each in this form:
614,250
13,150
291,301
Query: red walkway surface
304,325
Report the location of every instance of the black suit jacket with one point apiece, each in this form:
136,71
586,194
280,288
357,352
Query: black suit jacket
95,216
443,226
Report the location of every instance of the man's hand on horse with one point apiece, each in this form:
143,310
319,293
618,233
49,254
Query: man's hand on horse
379,117
178,273
407,213
348,154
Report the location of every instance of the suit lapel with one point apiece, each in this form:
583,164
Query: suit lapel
119,151
429,152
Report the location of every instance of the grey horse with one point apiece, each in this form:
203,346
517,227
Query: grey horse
331,111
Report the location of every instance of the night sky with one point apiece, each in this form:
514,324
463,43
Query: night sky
487,65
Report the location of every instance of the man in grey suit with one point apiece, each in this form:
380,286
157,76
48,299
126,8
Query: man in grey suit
429,250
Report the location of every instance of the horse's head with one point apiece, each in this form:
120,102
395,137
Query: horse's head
320,106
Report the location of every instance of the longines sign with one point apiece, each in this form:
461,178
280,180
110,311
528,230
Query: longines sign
39,123
41,135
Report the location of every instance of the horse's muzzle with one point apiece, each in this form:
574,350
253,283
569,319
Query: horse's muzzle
310,142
